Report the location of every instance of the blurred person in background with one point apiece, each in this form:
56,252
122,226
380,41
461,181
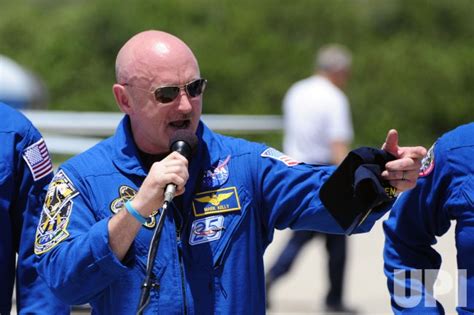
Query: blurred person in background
102,206
25,171
318,130
19,87
444,193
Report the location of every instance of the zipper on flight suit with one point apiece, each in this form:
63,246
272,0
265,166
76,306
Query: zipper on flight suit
179,227
222,256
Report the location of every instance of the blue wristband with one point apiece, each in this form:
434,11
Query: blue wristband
135,213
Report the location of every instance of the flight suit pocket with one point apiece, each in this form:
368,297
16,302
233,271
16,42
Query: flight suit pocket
468,190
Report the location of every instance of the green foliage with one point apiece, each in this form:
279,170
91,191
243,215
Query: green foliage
412,70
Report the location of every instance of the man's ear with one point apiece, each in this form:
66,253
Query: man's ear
122,98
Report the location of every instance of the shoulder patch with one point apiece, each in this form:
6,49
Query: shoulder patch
428,163
57,208
277,155
38,160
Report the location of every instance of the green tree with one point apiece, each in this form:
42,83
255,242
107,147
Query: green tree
412,69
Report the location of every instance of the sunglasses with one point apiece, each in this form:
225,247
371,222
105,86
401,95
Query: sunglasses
167,94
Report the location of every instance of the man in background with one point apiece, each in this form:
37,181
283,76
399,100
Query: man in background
318,130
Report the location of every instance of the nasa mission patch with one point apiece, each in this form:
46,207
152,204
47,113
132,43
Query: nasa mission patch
428,163
57,208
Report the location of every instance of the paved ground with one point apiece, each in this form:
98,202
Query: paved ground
302,290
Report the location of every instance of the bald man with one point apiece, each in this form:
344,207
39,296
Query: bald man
102,206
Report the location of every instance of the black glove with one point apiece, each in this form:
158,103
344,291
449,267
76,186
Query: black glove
356,187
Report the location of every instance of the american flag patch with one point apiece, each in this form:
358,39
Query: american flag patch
277,155
38,160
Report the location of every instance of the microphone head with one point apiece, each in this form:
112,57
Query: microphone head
184,142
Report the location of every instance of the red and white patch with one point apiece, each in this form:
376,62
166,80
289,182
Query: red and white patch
38,160
277,155
428,162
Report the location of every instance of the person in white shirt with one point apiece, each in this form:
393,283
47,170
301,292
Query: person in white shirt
318,130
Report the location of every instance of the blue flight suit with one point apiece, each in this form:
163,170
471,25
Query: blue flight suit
444,192
25,169
210,257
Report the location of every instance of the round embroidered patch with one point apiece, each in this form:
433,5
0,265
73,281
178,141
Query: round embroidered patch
428,163
127,193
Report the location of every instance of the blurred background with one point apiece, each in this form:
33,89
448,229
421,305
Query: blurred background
412,66
412,59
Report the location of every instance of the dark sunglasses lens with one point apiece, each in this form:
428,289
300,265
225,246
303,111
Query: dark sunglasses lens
196,88
166,94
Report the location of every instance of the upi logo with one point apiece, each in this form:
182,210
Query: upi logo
427,284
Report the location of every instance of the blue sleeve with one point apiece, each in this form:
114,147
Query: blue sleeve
464,216
75,258
27,191
461,208
289,193
443,193
10,220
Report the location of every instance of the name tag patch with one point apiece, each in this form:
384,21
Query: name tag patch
216,201
206,230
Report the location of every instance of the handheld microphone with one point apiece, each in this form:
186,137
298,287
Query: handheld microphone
184,142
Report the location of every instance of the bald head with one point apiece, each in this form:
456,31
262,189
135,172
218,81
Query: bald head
147,62
149,53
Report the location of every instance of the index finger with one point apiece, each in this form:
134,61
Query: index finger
403,164
176,156
417,152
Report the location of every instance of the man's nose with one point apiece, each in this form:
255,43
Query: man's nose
184,105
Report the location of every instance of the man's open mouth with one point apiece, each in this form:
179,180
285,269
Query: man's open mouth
180,124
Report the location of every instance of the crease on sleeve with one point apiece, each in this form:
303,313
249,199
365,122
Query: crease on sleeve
374,216
104,257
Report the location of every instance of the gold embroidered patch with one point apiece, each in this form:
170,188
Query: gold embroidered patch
127,193
216,201
57,208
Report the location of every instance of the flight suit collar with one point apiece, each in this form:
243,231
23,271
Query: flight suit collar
127,157
126,152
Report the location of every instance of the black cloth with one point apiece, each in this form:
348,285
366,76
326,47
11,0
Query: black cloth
356,187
